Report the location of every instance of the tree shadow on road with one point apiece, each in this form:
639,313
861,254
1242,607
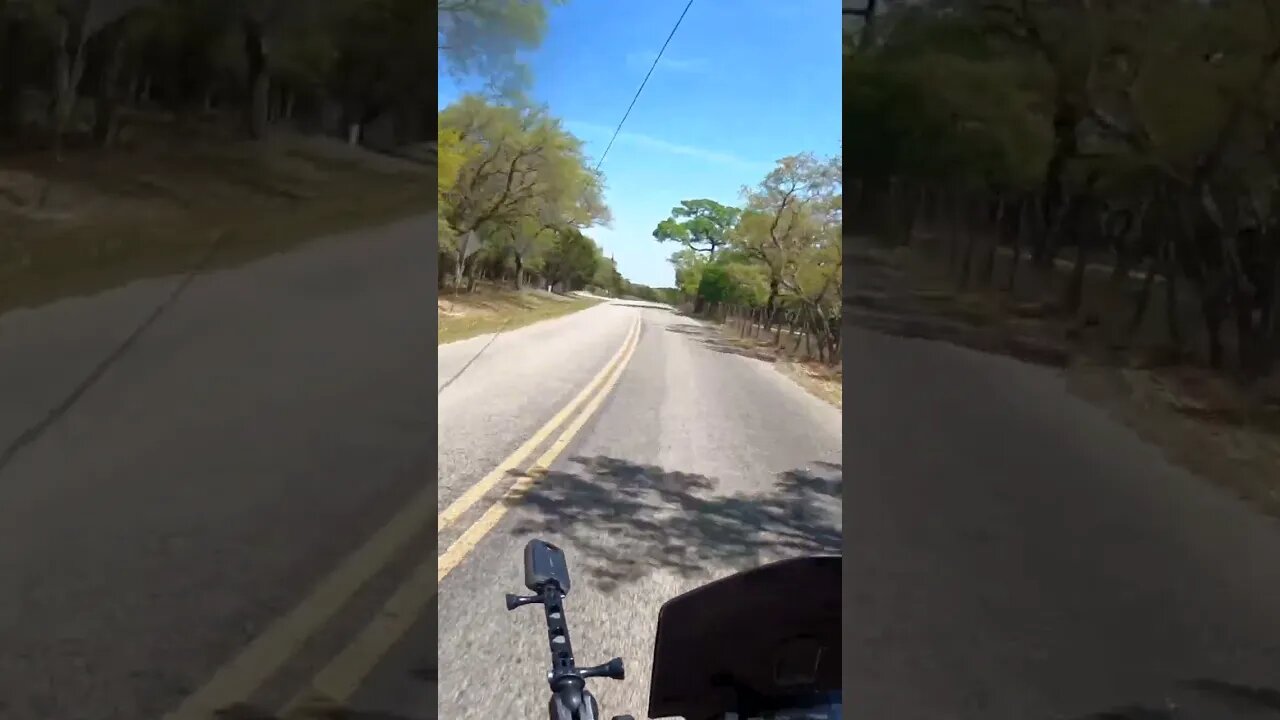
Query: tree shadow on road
641,304
1233,697
713,339
630,520
1240,695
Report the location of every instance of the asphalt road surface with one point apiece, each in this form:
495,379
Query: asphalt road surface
259,428
1012,552
699,462
234,515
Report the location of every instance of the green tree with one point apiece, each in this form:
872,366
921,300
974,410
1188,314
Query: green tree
700,225
482,38
688,266
791,207
571,260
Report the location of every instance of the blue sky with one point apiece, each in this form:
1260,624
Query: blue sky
743,83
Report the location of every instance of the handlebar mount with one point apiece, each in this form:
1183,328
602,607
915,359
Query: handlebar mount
547,575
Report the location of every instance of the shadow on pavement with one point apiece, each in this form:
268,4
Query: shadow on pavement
641,304
632,519
714,340
1243,695
1251,701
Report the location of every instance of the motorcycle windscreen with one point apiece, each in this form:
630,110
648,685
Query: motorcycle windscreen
749,641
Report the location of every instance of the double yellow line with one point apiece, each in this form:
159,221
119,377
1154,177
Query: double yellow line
236,681
593,396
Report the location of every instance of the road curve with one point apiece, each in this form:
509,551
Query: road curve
260,427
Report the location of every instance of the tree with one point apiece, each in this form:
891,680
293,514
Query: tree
528,177
789,209
689,266
482,38
700,225
1144,130
381,57
608,278
571,260
262,61
72,24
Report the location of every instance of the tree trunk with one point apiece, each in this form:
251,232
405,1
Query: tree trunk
1211,307
971,231
1142,301
1066,116
519,269
68,68
989,261
953,247
106,120
1247,344
1171,296
1014,261
1073,298
913,214
258,84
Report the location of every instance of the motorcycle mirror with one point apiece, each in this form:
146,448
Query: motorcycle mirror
544,565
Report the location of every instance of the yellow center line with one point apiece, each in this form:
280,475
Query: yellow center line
474,494
341,677
238,678
472,536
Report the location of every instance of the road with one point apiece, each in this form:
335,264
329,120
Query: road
698,463
259,428
1012,552
233,517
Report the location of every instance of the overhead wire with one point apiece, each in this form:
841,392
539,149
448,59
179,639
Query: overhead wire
643,83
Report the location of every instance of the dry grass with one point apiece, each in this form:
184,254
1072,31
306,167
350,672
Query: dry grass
102,218
490,309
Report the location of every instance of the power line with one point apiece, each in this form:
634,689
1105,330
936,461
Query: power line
642,84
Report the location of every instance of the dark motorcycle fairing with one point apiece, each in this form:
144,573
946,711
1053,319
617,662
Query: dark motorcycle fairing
749,641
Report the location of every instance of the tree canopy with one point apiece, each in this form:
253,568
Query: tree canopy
780,254
338,66
1136,133
516,193
700,225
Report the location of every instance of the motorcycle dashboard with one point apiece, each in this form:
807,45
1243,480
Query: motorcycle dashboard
763,643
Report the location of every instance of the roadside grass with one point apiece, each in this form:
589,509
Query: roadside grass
490,309
100,219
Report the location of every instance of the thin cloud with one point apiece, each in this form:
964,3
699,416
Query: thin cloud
602,133
642,61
